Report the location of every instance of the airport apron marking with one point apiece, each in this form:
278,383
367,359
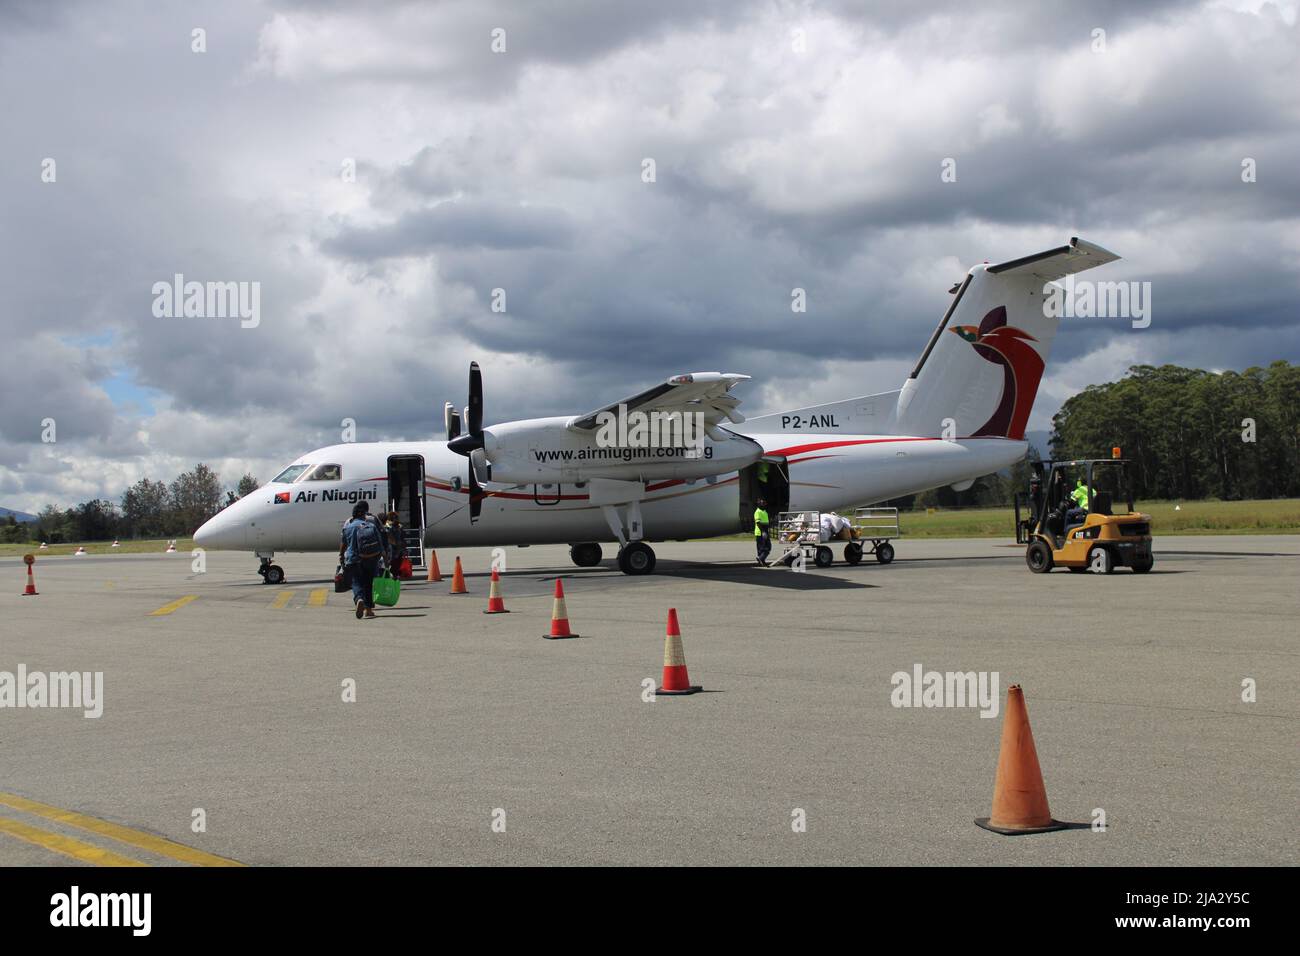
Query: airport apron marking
85,852
174,606
136,838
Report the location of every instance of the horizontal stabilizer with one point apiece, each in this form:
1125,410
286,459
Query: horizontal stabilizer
1054,264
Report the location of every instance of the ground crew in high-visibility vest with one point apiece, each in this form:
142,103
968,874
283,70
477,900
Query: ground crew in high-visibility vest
1080,495
762,541
1079,512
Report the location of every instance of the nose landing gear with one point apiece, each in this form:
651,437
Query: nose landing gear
271,573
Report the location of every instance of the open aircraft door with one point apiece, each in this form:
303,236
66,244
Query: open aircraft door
769,479
406,493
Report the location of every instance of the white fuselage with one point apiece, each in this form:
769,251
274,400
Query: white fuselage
826,472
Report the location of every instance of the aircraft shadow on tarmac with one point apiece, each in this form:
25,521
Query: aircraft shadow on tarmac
764,577
745,573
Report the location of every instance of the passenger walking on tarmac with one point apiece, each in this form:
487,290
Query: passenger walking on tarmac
762,540
363,548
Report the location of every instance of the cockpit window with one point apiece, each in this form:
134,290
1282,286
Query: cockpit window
323,473
290,473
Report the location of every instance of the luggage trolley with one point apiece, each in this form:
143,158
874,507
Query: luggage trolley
877,525
800,532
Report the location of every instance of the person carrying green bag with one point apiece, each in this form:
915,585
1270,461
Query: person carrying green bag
387,589
361,550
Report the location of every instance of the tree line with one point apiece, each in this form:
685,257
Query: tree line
148,509
1190,433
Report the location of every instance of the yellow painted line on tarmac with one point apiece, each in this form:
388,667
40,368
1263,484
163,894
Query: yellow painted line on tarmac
85,852
174,606
137,838
281,599
318,597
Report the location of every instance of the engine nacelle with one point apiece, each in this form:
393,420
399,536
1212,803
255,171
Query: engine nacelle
546,451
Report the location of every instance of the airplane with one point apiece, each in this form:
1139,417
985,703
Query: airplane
961,414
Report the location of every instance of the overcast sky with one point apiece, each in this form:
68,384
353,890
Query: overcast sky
795,145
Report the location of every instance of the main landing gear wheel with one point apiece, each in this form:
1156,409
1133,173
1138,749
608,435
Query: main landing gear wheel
853,553
271,574
884,552
1039,557
585,555
636,557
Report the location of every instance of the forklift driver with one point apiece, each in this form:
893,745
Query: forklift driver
1079,512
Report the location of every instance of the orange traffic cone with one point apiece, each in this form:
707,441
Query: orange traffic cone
495,604
676,680
458,580
559,615
1019,797
30,590
435,573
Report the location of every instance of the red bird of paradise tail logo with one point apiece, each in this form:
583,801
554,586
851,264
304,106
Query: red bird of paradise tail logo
1022,367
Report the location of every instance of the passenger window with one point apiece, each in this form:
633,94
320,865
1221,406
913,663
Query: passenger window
324,473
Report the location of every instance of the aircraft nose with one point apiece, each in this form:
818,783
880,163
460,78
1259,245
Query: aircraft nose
220,531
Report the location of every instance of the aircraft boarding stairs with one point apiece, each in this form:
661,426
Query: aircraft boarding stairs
413,538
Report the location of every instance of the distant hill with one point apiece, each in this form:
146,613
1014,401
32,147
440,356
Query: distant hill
22,517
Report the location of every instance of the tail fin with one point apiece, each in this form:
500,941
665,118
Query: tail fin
983,364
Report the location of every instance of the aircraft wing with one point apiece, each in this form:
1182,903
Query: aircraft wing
704,392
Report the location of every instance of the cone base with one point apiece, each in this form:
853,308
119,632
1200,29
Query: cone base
501,611
678,693
984,823
30,593
560,637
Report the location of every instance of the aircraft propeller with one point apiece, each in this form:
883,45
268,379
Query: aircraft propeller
472,440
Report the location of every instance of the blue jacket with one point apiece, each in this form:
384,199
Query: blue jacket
349,538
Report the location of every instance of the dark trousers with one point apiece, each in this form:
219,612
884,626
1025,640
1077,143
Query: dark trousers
363,580
763,544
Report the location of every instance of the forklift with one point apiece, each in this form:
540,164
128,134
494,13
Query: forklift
1098,538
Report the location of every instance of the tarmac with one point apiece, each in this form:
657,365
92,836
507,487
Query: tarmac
471,740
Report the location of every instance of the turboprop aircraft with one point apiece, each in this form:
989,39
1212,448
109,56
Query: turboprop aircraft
581,481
